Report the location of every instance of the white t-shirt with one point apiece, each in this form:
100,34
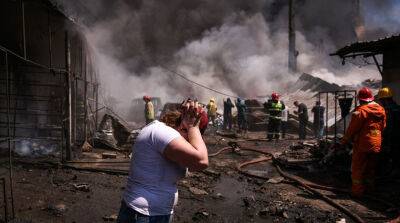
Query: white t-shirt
151,189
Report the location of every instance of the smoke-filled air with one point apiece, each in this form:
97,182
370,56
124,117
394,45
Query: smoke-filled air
239,47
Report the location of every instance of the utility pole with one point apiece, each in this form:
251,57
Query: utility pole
358,21
292,61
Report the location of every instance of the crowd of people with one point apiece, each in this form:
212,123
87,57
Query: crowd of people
166,149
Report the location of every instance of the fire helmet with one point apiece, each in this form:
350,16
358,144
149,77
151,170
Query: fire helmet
275,96
385,93
365,94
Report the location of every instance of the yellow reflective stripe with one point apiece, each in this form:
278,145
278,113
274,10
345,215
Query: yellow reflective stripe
356,181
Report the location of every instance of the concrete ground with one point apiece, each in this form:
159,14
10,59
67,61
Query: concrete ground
47,193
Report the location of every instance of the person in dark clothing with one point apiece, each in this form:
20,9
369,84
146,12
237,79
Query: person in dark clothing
390,154
302,113
228,105
274,108
241,116
318,124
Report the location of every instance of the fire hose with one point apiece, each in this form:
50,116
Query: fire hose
308,186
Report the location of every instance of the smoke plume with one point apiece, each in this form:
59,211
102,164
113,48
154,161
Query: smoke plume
236,46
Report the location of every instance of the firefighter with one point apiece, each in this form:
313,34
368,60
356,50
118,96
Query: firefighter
148,109
274,108
391,134
212,110
365,131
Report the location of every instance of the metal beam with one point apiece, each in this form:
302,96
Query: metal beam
68,101
8,135
377,65
3,182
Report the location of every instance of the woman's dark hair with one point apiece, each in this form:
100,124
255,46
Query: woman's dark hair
172,118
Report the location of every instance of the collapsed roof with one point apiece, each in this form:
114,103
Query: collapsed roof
369,48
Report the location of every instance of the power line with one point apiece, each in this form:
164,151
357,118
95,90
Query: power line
198,84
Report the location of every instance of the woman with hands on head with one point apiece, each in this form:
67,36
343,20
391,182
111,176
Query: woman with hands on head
162,153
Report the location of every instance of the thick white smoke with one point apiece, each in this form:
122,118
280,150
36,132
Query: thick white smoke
238,53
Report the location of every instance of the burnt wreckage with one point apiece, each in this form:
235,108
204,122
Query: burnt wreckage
49,85
388,66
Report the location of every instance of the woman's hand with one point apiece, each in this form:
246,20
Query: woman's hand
191,113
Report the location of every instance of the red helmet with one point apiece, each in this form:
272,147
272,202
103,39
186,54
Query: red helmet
275,96
365,94
203,121
146,98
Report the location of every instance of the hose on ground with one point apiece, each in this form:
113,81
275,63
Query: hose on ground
308,187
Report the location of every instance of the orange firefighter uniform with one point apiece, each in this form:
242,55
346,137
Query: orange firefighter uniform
365,131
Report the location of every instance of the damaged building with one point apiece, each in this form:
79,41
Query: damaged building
385,53
49,85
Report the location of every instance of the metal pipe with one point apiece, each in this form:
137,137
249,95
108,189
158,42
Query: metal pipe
50,39
326,118
96,105
31,83
335,116
34,114
8,135
85,95
2,48
62,123
68,100
344,118
377,65
319,123
3,182
75,109
29,96
23,28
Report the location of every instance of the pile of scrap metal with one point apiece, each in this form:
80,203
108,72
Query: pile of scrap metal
331,157
112,134
317,154
256,116
298,156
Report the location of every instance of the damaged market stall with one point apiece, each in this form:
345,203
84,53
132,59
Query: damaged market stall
385,53
48,84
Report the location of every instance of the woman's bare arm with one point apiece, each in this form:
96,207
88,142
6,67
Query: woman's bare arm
192,153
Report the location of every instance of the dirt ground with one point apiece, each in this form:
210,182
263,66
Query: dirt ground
46,193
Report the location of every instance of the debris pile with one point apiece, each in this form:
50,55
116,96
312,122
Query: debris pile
35,148
112,133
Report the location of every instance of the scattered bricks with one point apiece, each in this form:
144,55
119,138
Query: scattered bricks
197,191
218,196
108,155
275,180
81,187
200,215
285,215
112,217
57,209
86,147
264,212
212,173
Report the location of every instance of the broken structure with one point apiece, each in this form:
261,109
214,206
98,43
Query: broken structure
389,67
47,76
